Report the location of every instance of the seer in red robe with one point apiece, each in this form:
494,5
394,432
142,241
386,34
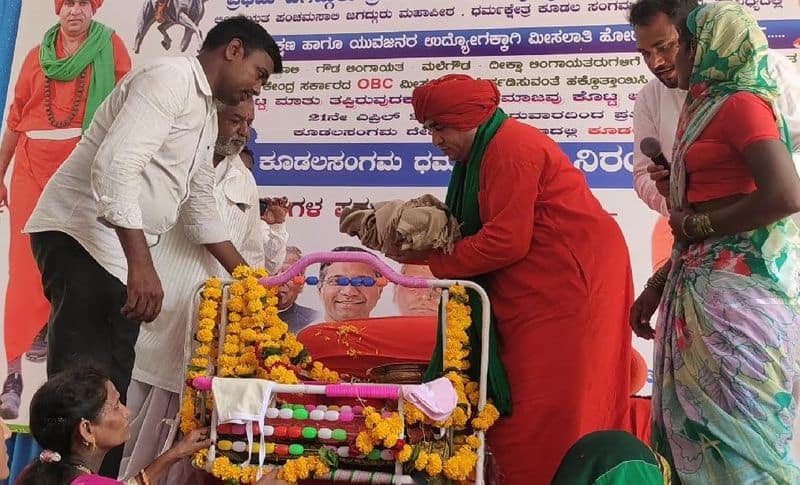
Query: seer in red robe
60,84
557,270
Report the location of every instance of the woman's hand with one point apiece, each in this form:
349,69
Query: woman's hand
643,309
190,444
680,225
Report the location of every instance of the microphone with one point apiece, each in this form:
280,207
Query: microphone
652,150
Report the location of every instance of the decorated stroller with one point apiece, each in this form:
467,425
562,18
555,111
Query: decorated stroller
268,403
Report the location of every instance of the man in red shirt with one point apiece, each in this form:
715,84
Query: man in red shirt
556,268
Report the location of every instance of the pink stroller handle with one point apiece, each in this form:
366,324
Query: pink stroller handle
344,257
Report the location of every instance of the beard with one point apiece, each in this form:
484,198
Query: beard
233,146
670,83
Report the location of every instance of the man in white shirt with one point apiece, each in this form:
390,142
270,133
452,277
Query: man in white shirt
158,375
659,102
143,166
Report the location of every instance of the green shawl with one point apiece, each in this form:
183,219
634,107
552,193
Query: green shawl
96,50
462,200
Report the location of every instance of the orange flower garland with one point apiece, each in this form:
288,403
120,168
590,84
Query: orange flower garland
460,464
380,431
258,344
203,361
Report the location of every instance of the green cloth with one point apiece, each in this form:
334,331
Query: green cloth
462,200
612,458
731,56
96,50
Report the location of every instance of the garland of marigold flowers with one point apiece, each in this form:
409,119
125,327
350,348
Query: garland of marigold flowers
380,431
257,344
204,355
462,461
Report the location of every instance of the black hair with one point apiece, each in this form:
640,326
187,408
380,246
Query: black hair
56,410
644,11
339,249
252,35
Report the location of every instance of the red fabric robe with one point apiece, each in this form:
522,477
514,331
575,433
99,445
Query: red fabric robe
35,161
561,289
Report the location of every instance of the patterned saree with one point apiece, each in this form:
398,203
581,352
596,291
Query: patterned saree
727,330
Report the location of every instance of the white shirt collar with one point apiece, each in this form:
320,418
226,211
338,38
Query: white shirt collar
201,78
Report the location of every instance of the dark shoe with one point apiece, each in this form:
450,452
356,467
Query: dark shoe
10,398
38,351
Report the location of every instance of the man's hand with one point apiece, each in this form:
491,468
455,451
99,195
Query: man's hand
144,287
276,211
145,294
410,257
227,255
660,176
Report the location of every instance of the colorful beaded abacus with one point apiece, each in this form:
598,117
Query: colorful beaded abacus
295,430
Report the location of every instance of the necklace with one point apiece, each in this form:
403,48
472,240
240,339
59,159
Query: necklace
76,102
82,468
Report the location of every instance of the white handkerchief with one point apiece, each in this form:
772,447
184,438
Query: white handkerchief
241,399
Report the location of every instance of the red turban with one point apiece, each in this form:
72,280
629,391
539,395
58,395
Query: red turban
95,5
456,101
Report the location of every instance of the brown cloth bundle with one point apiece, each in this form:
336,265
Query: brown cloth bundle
395,226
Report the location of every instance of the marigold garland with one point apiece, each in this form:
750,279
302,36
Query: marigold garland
202,362
460,464
258,343
224,469
303,468
380,431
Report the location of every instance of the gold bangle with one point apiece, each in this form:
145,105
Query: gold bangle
702,225
683,226
657,281
145,479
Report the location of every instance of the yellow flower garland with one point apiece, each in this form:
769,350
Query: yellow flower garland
303,468
203,360
380,431
224,469
258,343
460,464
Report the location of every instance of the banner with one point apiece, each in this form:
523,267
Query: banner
336,129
